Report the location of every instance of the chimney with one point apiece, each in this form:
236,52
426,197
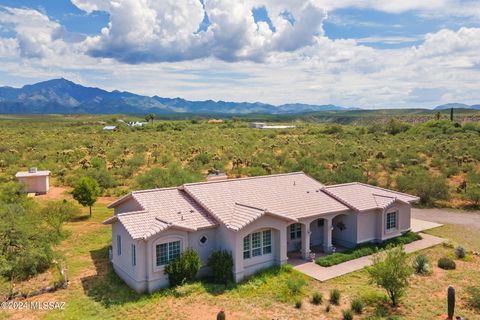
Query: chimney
32,170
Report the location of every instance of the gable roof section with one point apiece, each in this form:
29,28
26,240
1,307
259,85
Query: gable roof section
162,209
238,202
361,197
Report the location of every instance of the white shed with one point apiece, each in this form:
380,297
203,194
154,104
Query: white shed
35,181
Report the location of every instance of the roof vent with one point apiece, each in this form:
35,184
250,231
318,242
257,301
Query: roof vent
32,170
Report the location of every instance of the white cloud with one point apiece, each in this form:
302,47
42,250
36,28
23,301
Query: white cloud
154,31
238,59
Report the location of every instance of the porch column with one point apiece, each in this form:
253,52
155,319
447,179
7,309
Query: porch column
327,235
305,241
283,258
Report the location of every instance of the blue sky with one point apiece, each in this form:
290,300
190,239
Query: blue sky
369,54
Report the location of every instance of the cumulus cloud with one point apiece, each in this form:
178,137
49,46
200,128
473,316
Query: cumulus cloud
36,35
155,31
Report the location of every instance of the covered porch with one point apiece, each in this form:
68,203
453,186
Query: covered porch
319,236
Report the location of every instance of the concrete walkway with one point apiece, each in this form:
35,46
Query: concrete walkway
418,225
326,273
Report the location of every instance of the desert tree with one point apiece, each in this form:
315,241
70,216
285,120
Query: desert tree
86,192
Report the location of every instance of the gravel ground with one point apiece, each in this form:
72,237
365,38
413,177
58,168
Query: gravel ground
445,216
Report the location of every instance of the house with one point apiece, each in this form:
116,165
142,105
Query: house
257,125
260,220
215,121
35,181
109,128
135,124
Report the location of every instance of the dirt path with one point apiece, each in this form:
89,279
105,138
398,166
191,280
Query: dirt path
445,216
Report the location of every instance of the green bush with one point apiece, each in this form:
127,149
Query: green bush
365,250
184,268
357,305
317,298
460,252
221,263
423,184
335,297
446,264
347,314
474,297
295,284
421,265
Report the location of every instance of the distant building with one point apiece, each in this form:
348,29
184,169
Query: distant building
215,121
263,125
35,181
258,125
110,128
135,124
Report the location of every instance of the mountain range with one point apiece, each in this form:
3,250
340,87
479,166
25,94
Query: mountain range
457,106
62,96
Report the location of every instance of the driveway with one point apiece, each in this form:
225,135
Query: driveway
448,216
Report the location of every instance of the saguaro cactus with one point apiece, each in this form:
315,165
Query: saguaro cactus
221,315
451,302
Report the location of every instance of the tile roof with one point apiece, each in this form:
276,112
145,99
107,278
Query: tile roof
291,196
162,209
359,196
238,202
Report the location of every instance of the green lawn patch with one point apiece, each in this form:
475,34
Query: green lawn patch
366,249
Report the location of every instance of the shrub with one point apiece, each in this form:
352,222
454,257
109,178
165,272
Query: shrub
298,303
295,284
365,250
347,314
421,183
317,298
327,308
421,264
335,297
474,297
357,305
391,271
446,264
460,252
221,263
184,268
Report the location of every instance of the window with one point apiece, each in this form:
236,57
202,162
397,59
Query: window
391,220
134,255
119,245
267,242
257,244
295,231
203,240
167,252
246,247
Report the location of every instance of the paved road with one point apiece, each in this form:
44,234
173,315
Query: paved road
445,216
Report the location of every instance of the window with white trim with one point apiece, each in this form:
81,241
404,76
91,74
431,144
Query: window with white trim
391,220
134,255
257,244
119,245
295,231
167,252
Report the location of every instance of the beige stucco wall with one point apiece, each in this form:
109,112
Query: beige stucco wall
35,184
347,237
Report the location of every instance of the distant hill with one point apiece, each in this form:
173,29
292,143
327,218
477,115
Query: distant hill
457,106
66,97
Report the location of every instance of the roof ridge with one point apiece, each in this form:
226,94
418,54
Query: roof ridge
387,190
154,190
249,206
342,184
245,178
335,197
